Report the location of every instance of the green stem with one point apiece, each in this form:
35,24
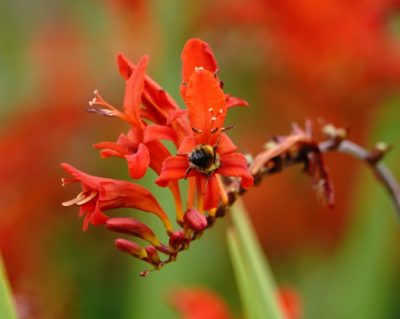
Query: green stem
256,283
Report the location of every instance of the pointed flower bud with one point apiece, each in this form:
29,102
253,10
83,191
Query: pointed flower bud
195,220
132,227
131,248
176,240
153,257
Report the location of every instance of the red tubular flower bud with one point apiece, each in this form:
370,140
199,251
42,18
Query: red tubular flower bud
131,248
195,220
153,257
176,240
132,227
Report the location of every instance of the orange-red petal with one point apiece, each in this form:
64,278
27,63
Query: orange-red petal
138,162
174,168
175,115
187,145
232,101
133,92
125,66
108,149
158,152
88,181
98,217
206,105
235,165
155,132
211,194
125,194
160,106
196,53
226,145
93,214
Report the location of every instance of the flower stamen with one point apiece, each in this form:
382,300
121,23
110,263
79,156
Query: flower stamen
214,117
65,181
108,111
87,199
80,199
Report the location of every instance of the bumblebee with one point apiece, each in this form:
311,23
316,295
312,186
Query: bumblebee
204,159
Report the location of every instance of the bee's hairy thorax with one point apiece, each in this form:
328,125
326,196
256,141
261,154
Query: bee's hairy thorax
204,159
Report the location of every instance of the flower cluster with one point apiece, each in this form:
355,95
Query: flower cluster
204,154
205,157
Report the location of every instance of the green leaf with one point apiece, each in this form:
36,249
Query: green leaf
7,310
242,276
256,284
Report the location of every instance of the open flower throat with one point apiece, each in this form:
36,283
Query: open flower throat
204,154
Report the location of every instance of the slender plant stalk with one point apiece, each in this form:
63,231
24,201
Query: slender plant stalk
250,308
251,268
381,171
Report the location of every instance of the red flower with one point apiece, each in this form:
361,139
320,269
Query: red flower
207,152
140,147
101,194
290,303
200,303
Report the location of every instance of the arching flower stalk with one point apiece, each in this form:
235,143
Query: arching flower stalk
205,157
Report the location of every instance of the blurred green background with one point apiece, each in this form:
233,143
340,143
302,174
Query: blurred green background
330,61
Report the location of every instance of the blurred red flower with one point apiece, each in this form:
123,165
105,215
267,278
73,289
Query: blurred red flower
201,303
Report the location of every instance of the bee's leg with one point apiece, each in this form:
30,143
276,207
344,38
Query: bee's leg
188,171
215,147
227,128
214,130
206,183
